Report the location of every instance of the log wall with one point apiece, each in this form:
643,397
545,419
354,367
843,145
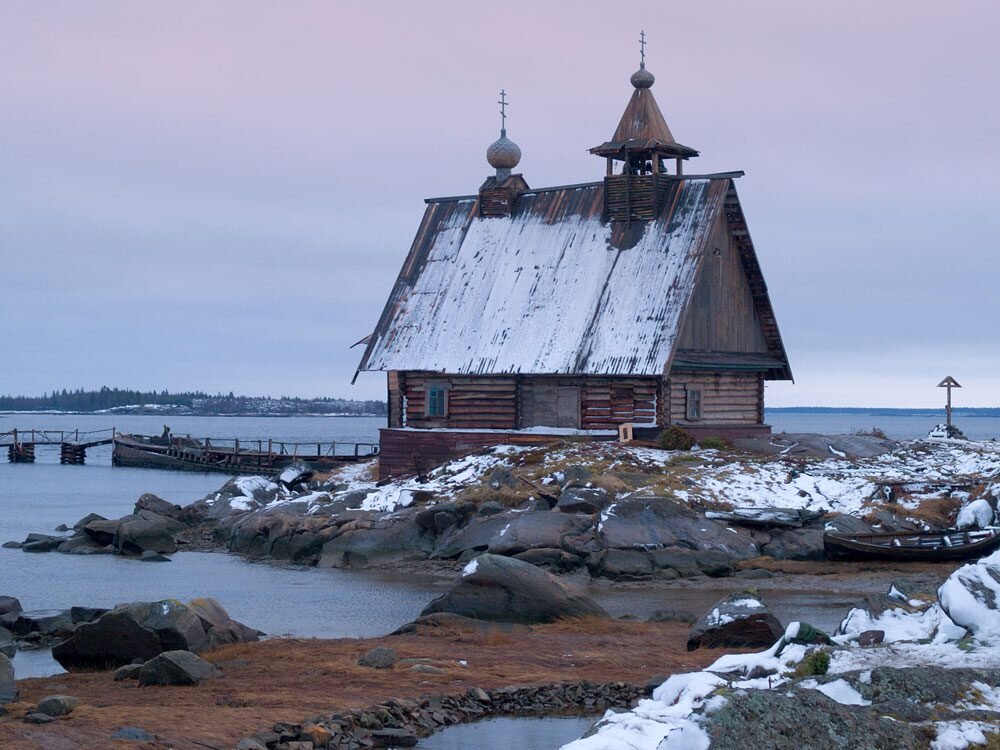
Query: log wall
517,402
728,398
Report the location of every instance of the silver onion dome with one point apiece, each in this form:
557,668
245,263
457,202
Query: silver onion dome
503,153
642,78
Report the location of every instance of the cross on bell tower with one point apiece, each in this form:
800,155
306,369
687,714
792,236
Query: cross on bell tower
503,112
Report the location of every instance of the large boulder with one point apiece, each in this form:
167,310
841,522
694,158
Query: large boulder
648,522
41,542
507,590
378,539
84,544
141,630
738,621
10,607
582,500
158,505
147,530
971,597
101,530
219,626
8,687
175,668
537,529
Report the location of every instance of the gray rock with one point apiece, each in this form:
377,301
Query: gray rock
440,516
738,621
773,719
536,529
158,505
249,743
57,705
79,615
502,476
754,574
9,605
713,562
8,687
575,476
128,672
648,522
679,559
476,535
620,563
141,630
549,557
379,657
133,734
795,544
44,621
37,718
507,590
11,545
84,544
491,508
845,524
219,627
7,645
150,556
61,527
87,519
377,540
41,542
175,668
100,530
146,530
583,500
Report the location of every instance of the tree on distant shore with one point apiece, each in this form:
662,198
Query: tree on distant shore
82,400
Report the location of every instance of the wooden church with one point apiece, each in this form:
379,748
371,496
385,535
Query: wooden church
523,313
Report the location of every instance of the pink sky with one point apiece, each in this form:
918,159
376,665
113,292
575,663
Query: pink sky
218,195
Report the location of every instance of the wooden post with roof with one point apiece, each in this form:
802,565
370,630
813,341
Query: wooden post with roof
522,314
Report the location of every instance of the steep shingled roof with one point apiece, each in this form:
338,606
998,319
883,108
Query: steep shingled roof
549,290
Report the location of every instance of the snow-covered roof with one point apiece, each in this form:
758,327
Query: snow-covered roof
552,289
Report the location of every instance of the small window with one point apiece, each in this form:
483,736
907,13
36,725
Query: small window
437,401
693,403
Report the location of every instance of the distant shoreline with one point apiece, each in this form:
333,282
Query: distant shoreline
875,411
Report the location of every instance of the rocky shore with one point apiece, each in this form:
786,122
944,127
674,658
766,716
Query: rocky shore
597,510
515,634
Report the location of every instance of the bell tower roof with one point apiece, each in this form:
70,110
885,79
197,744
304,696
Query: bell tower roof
642,127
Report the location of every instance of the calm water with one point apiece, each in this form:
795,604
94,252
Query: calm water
503,734
901,428
300,602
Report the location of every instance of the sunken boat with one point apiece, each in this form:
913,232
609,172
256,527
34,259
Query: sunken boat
233,456
912,547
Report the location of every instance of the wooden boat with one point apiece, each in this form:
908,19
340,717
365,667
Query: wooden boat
914,547
232,457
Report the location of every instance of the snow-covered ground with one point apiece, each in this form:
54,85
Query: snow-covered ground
917,634
707,477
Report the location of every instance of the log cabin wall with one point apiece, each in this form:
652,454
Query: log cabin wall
394,400
478,403
721,316
727,398
522,401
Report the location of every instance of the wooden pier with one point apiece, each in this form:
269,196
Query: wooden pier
73,444
227,455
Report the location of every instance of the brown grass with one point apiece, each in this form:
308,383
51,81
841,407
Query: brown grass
292,679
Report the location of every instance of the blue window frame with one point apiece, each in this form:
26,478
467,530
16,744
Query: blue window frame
437,401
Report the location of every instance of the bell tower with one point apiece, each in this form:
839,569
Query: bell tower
638,153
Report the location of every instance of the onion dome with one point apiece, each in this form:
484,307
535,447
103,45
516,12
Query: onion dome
503,153
642,78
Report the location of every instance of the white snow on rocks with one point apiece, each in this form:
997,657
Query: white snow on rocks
838,690
971,597
976,515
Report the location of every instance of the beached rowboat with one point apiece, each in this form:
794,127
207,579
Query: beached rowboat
916,547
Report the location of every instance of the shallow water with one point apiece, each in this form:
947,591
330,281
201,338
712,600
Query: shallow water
506,733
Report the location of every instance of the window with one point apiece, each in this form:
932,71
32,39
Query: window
693,403
437,401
